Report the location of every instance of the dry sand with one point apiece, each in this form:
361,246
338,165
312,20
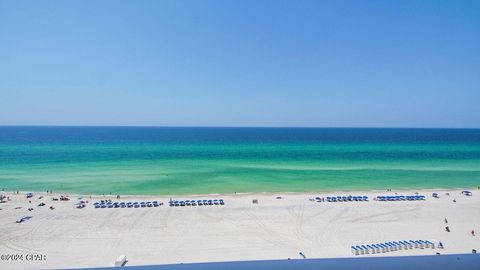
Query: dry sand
272,229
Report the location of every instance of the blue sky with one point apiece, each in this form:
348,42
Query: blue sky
240,63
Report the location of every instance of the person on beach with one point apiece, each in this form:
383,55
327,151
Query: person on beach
473,233
446,221
447,229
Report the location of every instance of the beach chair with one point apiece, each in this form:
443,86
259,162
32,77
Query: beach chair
365,198
97,206
221,202
182,203
424,243
360,250
420,244
187,203
431,244
355,250
365,249
210,202
414,245
378,249
383,247
371,249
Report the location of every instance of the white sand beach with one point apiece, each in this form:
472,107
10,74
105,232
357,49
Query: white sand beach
239,230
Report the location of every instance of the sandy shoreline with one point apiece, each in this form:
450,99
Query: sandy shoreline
239,230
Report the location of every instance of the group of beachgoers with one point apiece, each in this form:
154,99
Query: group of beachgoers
447,228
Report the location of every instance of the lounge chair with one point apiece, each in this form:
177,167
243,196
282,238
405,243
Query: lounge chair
432,245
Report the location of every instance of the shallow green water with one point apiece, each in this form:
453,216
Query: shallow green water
220,160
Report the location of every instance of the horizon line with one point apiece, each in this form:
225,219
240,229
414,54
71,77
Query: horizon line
213,126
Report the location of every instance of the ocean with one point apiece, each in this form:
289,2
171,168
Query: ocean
195,160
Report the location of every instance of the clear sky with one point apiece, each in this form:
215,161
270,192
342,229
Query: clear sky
240,63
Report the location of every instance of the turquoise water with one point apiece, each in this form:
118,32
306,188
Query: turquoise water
142,160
